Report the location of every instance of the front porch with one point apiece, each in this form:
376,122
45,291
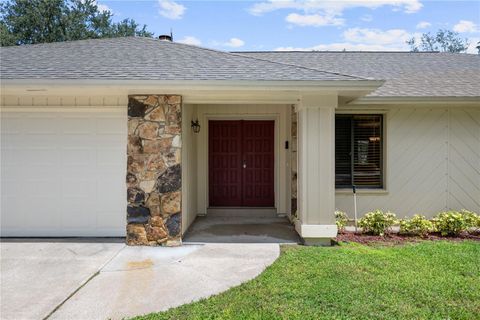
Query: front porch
301,171
241,226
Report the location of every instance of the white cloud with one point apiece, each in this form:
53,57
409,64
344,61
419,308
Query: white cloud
234,43
314,20
170,9
358,39
103,7
376,36
100,7
190,40
328,12
423,25
340,46
465,26
336,7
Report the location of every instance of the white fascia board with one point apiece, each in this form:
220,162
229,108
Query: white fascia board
42,85
434,100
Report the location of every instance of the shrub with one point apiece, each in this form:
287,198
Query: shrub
450,223
341,220
417,225
377,222
472,219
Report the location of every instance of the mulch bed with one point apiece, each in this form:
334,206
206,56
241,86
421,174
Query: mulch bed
395,238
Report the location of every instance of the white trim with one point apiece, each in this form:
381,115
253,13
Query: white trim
433,100
347,191
316,230
192,84
63,109
384,190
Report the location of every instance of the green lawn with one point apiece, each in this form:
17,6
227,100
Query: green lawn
427,280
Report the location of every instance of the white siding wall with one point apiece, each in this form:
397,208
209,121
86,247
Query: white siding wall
432,163
189,167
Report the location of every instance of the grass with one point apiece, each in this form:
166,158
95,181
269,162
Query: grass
426,280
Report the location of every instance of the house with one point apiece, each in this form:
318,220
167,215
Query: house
139,134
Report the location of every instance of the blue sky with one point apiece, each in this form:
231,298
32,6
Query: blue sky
301,24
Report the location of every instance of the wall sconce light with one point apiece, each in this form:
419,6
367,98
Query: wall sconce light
196,126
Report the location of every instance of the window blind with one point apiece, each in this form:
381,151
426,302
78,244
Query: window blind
359,151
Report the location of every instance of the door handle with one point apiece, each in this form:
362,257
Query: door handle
244,164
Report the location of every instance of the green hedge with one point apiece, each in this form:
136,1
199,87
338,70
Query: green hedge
448,223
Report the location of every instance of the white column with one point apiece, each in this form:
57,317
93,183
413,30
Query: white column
316,169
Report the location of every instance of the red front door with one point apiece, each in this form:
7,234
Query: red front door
241,163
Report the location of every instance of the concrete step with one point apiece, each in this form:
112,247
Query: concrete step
242,212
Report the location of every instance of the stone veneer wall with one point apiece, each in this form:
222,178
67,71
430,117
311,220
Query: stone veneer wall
154,170
294,162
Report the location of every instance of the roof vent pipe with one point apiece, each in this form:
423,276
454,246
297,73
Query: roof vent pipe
166,37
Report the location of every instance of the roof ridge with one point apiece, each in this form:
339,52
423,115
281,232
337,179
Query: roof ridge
338,51
330,72
306,68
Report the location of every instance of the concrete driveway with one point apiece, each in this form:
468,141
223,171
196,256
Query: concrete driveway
103,279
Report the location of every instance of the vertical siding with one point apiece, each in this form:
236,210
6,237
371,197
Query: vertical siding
464,159
432,163
189,167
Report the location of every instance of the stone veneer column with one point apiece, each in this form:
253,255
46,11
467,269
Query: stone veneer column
154,170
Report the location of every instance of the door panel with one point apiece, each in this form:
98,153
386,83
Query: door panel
241,163
225,163
258,154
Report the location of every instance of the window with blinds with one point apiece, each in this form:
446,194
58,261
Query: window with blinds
359,151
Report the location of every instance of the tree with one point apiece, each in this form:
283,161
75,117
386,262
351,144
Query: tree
443,41
39,21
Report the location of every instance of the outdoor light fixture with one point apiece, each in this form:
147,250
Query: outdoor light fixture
196,126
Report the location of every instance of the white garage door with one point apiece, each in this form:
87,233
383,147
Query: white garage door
63,173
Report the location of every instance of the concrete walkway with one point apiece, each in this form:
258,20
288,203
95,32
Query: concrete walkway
91,280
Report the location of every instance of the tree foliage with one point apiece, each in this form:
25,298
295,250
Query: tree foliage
443,41
39,21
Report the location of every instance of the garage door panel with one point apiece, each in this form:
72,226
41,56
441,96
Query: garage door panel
10,157
76,188
13,213
40,188
42,124
63,173
79,218
108,125
44,205
74,125
77,156
10,124
107,219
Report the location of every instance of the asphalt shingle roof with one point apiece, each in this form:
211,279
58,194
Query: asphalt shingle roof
136,58
406,73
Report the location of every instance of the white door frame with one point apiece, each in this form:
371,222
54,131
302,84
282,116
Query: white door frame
277,145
